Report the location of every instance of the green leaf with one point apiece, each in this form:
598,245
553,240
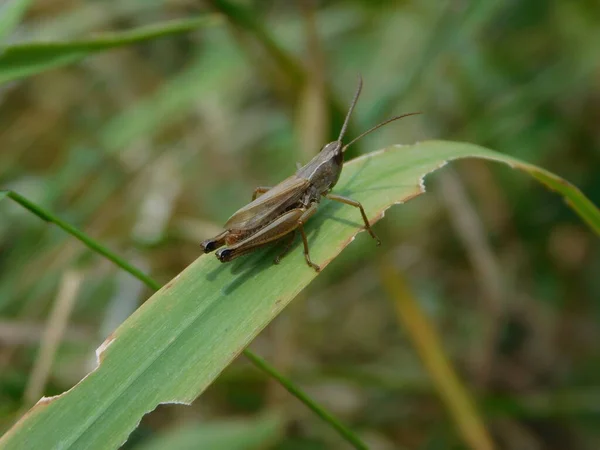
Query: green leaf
179,341
230,435
10,16
23,60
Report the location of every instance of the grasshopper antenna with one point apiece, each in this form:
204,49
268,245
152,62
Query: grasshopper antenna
376,126
352,105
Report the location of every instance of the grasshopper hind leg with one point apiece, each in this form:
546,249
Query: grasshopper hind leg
277,230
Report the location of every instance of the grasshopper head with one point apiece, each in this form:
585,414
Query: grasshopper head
333,152
324,169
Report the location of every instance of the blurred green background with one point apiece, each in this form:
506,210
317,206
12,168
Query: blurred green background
150,148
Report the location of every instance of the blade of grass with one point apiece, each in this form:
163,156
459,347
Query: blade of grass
22,60
260,363
314,407
10,16
88,241
427,343
179,341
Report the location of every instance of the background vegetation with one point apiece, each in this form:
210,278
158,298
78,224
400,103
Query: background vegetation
151,147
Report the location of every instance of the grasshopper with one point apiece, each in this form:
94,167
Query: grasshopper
282,210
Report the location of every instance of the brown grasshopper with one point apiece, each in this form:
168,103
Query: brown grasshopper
285,208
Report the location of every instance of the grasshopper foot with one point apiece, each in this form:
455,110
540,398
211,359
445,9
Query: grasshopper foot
313,265
208,246
225,255
374,236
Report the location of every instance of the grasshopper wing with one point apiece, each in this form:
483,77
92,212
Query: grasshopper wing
266,207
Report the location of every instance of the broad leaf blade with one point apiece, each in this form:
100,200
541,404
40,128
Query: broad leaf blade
179,341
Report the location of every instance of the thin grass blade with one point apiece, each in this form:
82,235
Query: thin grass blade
22,60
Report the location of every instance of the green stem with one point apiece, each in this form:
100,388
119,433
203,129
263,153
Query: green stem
260,363
314,407
88,241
